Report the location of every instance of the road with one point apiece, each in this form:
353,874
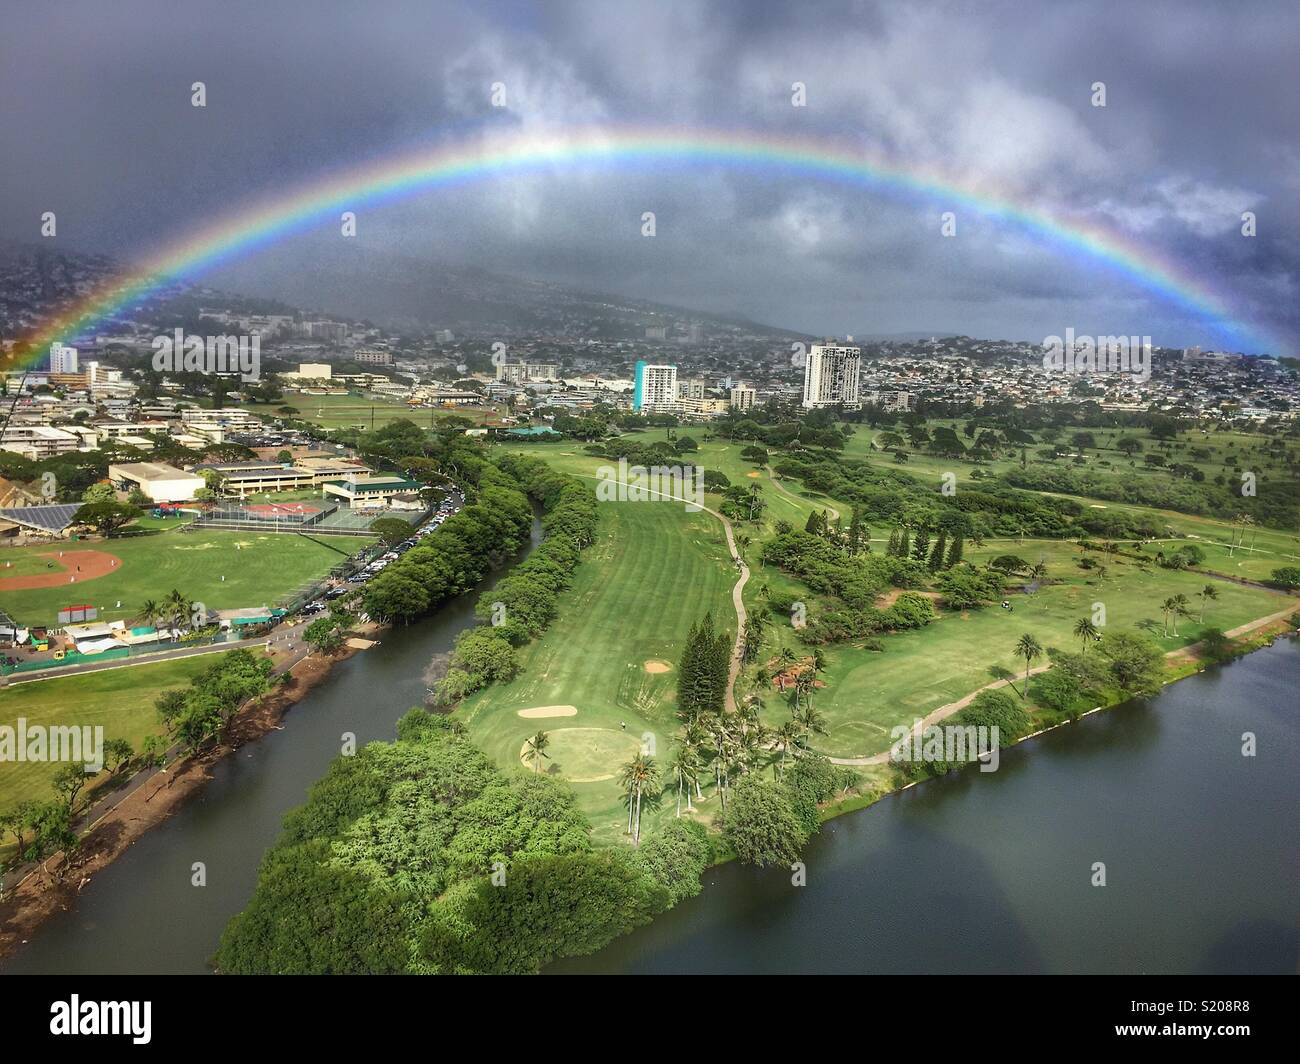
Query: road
291,634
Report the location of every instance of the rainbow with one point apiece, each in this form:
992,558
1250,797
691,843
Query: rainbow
427,168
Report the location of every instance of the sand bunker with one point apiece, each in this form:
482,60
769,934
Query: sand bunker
656,667
549,711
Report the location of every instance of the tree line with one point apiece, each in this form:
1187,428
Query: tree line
420,856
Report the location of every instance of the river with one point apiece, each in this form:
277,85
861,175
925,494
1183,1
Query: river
976,873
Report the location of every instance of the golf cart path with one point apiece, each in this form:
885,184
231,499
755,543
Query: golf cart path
943,712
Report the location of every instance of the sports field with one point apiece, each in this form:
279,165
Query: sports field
351,411
119,700
653,571
221,569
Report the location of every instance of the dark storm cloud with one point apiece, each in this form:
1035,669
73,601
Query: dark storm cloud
1200,125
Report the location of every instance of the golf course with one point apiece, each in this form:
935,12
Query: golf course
592,685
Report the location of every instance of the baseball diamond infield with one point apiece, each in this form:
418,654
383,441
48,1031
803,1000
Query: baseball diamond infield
75,566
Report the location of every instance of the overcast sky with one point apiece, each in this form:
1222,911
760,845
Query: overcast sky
1202,123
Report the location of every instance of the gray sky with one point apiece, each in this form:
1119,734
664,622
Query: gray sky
1201,123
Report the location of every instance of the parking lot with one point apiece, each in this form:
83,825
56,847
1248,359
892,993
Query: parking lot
449,506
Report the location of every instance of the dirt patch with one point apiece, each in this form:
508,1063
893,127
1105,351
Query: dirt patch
357,643
891,596
542,712
784,679
75,566
657,667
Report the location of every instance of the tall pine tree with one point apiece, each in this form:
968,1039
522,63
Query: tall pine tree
954,552
921,545
937,554
855,532
688,670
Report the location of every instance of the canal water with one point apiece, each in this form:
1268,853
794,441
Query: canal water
975,873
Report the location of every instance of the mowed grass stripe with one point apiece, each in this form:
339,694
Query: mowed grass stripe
652,572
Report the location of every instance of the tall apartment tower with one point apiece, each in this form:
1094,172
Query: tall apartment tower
830,376
63,359
654,387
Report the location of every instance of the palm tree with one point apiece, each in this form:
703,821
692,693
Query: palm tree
686,771
1179,602
536,747
811,722
150,613
1086,632
1207,592
692,740
1030,649
639,776
803,688
786,736
177,608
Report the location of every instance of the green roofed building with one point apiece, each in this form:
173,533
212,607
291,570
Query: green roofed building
378,490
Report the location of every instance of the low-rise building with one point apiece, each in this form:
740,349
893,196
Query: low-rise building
363,491
157,480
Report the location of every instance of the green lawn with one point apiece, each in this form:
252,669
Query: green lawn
867,693
119,700
653,571
258,569
351,411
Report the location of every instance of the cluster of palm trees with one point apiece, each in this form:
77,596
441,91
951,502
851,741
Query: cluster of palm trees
175,611
1174,606
1241,523
729,744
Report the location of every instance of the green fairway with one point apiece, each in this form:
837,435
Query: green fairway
121,701
869,692
222,569
653,571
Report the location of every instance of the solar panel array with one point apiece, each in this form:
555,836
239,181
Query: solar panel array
51,518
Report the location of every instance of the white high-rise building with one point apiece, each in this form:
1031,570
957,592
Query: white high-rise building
830,376
654,387
63,359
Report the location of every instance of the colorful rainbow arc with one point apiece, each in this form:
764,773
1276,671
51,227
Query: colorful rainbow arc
395,177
